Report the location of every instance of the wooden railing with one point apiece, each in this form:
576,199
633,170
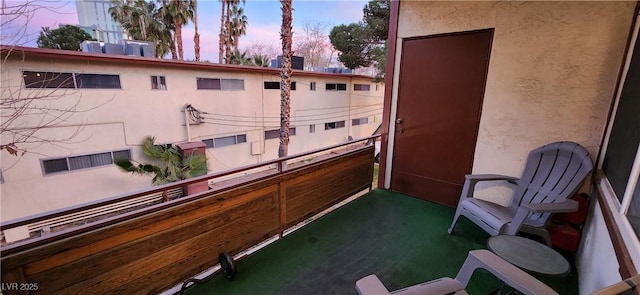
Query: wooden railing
153,248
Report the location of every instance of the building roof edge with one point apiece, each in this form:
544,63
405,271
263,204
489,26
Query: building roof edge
8,51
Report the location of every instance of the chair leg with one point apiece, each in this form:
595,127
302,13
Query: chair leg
455,220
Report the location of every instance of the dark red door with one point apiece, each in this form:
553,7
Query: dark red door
441,88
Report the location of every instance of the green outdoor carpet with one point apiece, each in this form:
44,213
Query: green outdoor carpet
401,239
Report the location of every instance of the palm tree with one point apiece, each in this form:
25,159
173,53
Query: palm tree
196,35
227,30
260,60
240,58
172,165
142,21
286,34
179,13
222,35
238,25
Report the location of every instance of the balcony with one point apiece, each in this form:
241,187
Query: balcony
155,247
400,238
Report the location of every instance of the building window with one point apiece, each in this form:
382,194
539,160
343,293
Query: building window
312,86
82,162
276,85
361,87
621,159
333,125
48,80
158,82
220,84
377,87
336,86
275,133
359,121
312,128
225,141
97,81
70,80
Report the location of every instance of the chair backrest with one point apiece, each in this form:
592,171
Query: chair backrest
553,173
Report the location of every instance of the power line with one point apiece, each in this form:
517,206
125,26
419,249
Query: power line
330,116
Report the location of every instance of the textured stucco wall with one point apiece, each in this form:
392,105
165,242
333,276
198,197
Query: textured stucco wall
551,76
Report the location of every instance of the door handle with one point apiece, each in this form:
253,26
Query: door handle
399,121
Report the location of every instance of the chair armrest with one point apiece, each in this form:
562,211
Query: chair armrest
371,285
562,207
503,270
471,180
490,177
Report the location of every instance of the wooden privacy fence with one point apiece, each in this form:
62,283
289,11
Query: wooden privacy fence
154,248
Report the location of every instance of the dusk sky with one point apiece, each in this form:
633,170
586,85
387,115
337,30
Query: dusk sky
264,17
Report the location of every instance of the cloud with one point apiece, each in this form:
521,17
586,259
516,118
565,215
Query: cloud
268,34
208,44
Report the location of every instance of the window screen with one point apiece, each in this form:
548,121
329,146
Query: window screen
275,133
124,154
333,125
55,165
158,83
98,81
47,80
271,85
359,121
232,84
634,210
84,161
208,143
205,83
361,87
336,86
224,141
276,85
625,132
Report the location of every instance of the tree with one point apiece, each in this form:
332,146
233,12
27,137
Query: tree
286,35
376,19
179,13
65,37
233,24
221,36
363,44
143,21
196,35
238,25
168,165
25,116
262,49
260,60
314,45
354,44
240,58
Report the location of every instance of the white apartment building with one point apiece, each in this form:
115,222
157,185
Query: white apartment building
94,18
117,100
